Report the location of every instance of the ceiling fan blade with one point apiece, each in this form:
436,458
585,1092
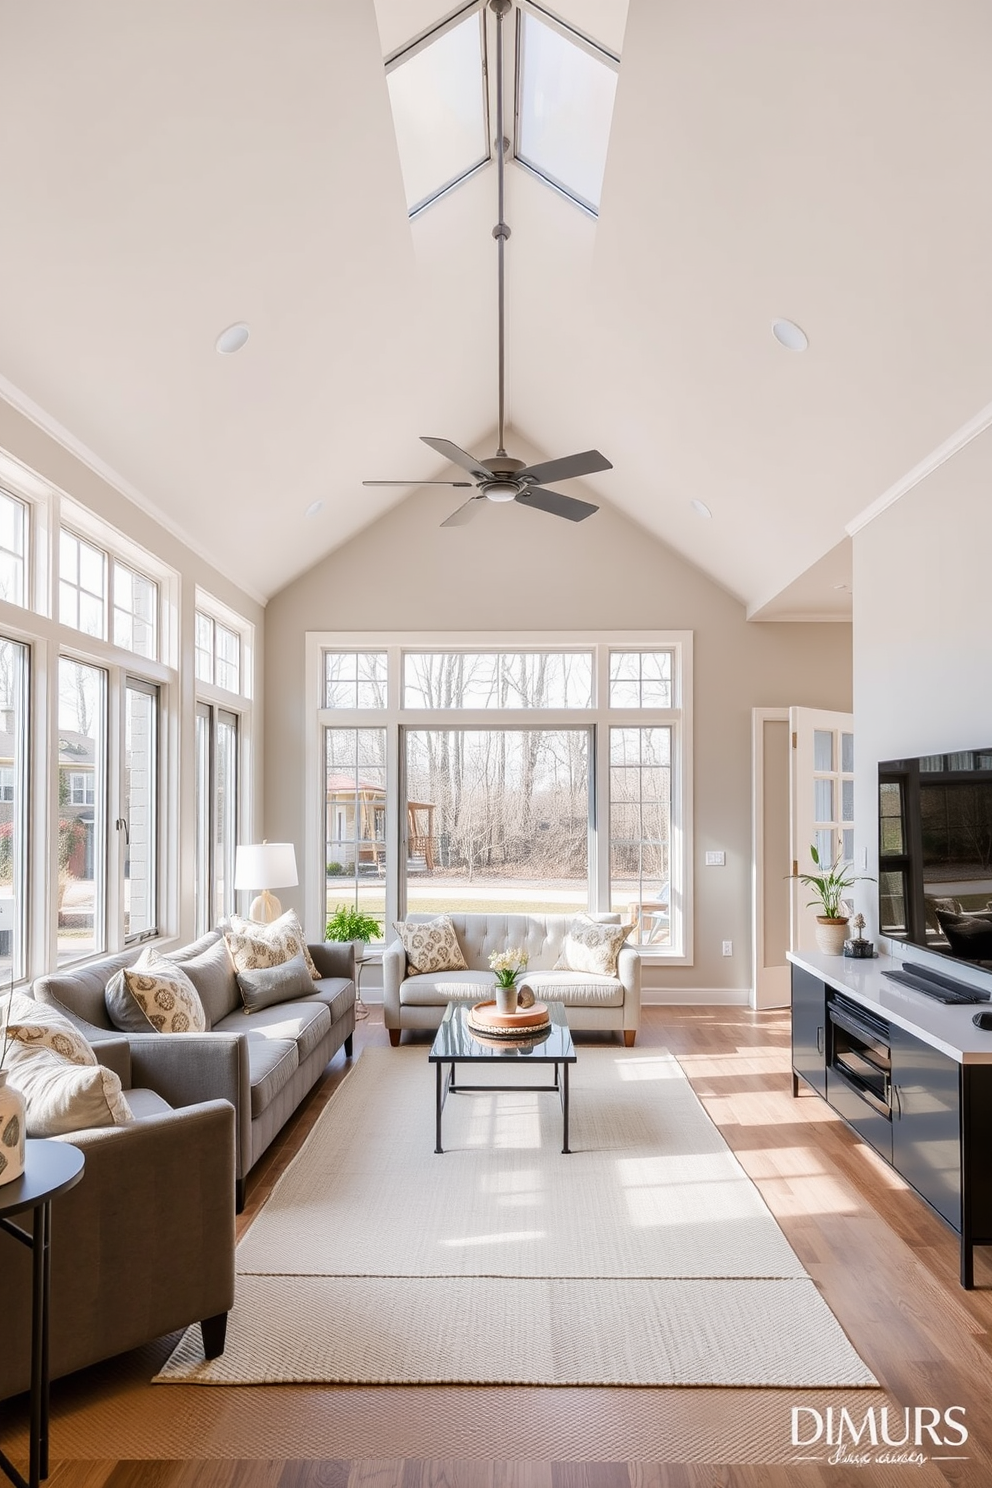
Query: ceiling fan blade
464,513
459,457
557,504
586,463
466,484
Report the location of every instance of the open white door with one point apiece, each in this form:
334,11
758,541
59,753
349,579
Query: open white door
821,803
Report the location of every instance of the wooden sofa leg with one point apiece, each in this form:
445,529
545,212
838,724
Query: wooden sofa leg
394,1037
629,1035
214,1332
349,1046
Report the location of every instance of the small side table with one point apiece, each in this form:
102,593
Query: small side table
368,958
50,1168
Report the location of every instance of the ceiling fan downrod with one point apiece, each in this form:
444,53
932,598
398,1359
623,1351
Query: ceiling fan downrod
501,232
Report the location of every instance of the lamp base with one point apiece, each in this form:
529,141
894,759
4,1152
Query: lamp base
264,908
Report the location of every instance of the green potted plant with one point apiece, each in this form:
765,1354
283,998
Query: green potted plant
828,885
347,923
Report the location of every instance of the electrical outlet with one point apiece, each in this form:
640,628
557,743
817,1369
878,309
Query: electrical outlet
716,860
728,947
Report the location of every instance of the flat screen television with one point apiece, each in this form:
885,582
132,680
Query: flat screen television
935,853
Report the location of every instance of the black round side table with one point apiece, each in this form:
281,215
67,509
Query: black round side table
50,1168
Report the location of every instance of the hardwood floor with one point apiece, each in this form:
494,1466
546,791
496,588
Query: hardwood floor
885,1264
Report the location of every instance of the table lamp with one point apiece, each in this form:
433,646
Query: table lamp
265,866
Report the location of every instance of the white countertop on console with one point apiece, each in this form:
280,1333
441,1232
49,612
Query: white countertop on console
947,1028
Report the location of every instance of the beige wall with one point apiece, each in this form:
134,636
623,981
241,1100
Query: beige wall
923,638
512,569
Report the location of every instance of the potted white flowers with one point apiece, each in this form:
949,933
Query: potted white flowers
507,965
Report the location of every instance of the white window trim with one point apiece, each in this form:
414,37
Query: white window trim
679,716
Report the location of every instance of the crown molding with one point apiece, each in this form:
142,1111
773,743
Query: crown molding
926,466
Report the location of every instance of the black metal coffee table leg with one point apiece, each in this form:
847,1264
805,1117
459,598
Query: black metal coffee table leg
564,1105
437,1109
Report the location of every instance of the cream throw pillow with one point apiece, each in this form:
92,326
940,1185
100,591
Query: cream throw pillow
255,946
591,946
62,1093
154,995
431,946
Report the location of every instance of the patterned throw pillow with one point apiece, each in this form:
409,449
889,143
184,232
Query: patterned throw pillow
254,945
591,946
154,994
432,946
36,1023
56,1071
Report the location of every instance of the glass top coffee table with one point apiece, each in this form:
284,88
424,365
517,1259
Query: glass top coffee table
455,1043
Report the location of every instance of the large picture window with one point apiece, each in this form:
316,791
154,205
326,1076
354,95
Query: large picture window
505,778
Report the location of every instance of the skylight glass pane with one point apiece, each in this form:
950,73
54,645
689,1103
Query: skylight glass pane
564,110
439,111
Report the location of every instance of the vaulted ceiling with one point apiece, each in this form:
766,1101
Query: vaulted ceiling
170,169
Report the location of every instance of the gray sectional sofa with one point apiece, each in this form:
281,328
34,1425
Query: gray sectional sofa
263,1063
143,1246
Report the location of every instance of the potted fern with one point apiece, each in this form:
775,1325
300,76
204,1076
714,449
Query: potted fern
828,885
347,923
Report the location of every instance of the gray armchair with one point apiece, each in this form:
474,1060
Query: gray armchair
142,1246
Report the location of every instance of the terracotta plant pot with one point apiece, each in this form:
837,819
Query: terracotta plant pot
830,935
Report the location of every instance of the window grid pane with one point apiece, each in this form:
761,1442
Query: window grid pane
640,829
227,658
83,821
204,648
13,806
140,797
135,611
497,679
354,679
640,679
355,820
13,527
498,817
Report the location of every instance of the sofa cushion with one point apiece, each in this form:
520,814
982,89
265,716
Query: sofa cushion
272,1062
207,963
968,935
154,993
576,988
268,985
436,988
306,1023
254,945
591,946
430,945
337,994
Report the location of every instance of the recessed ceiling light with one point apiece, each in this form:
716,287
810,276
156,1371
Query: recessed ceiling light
314,508
701,507
232,340
789,335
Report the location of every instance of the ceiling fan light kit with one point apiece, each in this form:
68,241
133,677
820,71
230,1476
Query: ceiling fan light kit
501,478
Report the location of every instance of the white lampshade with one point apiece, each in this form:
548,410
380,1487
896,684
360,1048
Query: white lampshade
265,865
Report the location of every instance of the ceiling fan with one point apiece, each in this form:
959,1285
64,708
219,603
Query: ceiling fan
499,477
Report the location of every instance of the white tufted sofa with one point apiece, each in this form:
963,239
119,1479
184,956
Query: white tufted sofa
593,1002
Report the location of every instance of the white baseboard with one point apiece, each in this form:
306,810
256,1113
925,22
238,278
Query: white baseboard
695,996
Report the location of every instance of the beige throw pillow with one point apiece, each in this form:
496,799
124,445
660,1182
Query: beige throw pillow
254,946
40,1024
63,1092
431,946
154,995
591,946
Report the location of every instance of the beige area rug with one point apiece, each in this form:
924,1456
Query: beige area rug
645,1257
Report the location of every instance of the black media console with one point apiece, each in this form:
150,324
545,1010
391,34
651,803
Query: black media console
927,1114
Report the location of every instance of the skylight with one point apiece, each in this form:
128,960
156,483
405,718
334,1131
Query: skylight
565,91
437,88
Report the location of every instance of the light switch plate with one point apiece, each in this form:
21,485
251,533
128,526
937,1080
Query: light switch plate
716,859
